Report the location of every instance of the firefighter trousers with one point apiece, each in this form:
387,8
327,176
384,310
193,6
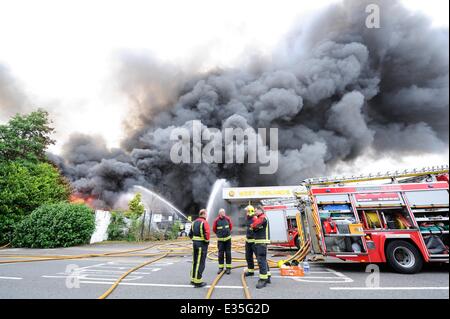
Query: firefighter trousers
249,252
200,250
224,253
261,257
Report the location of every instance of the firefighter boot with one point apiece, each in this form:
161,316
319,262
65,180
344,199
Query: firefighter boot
220,270
228,271
200,285
248,274
261,283
268,280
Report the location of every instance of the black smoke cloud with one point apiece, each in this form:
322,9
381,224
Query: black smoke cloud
334,89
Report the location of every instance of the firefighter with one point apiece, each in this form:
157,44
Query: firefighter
199,234
260,227
222,227
249,241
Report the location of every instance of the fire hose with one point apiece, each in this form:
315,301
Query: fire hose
300,255
164,250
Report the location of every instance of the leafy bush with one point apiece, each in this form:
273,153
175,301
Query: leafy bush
25,186
174,231
134,231
156,235
124,226
55,225
117,229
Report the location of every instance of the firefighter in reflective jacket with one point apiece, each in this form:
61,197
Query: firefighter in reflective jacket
249,240
199,234
260,227
223,226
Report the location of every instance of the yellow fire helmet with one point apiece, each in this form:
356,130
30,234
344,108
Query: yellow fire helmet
250,210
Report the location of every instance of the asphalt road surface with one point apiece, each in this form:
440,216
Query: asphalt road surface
169,278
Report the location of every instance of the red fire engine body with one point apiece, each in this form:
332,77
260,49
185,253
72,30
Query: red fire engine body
402,224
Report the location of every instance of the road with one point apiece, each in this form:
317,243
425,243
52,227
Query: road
169,278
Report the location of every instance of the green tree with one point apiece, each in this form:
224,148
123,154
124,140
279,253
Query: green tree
25,186
135,207
26,137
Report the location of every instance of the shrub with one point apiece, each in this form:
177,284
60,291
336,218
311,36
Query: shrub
25,186
117,228
134,231
174,231
55,225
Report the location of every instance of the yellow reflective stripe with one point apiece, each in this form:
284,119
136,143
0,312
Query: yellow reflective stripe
224,238
249,240
250,270
201,231
196,281
197,238
227,226
192,268
220,227
220,265
229,265
263,276
262,241
198,262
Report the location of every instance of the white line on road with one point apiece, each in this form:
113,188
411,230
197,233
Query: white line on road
389,288
155,285
87,277
11,278
307,277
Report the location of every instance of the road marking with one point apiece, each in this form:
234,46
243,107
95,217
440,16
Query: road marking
155,285
389,288
84,271
99,277
299,277
337,278
11,278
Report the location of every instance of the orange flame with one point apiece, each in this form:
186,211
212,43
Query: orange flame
78,198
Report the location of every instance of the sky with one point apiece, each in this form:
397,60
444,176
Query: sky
64,53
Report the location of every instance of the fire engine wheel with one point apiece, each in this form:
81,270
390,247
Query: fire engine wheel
404,257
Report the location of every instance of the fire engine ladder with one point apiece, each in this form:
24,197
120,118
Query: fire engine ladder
393,176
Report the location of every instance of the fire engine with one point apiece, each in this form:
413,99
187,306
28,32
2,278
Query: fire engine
404,222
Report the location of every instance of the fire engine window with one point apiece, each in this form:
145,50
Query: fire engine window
332,198
428,198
